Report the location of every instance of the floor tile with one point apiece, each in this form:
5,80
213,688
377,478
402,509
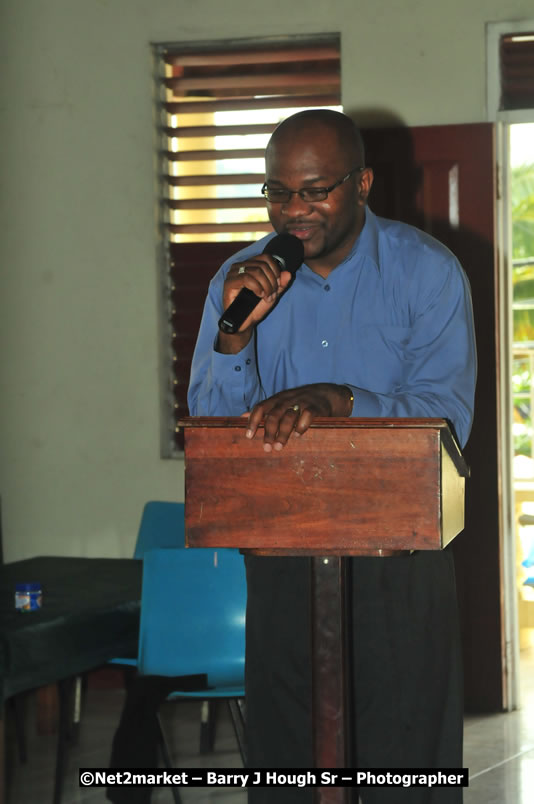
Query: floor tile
499,752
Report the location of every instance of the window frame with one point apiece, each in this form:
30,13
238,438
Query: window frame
174,365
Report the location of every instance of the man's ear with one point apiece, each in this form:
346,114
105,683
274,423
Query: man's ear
366,182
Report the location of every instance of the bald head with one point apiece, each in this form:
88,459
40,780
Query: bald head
314,124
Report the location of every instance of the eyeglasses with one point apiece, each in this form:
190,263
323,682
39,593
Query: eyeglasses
280,195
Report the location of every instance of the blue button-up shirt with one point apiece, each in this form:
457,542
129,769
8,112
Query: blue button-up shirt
393,321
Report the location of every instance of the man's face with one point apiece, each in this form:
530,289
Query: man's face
328,228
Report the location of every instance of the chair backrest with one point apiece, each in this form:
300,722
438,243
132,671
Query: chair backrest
162,525
193,615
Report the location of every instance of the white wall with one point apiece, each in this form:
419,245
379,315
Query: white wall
79,390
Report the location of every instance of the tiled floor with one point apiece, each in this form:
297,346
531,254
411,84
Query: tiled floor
499,752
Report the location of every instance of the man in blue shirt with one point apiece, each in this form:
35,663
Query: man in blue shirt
377,322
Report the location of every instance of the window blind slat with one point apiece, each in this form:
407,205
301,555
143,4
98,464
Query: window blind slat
214,156
263,84
296,101
218,228
252,56
213,179
217,203
218,131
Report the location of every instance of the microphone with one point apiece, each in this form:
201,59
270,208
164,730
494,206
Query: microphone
288,251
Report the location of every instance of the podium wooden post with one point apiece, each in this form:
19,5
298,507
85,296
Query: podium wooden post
347,487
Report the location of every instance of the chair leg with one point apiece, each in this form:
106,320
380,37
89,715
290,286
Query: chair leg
208,723
165,753
65,689
18,706
76,710
237,713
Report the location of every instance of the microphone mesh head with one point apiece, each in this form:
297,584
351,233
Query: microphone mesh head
288,248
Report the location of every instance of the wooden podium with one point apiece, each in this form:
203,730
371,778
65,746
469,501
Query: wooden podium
347,487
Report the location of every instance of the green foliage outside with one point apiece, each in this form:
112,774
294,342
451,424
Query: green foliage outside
522,196
522,193
523,211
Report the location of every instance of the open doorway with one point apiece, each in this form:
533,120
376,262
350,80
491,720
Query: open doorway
510,107
521,172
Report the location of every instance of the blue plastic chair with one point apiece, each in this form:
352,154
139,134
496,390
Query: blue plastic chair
162,525
193,622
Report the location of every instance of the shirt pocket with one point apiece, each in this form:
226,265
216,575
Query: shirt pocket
379,356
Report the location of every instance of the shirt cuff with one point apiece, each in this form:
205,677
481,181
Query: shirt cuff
366,403
238,375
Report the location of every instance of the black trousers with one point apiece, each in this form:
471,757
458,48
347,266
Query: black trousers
406,673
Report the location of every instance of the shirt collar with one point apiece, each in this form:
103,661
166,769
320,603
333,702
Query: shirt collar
366,244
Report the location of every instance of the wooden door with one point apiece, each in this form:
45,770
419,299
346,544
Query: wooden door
442,179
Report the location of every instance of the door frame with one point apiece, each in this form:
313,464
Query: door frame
502,120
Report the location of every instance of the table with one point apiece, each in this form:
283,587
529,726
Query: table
90,614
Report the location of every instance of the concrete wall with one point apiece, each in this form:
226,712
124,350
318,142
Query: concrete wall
79,395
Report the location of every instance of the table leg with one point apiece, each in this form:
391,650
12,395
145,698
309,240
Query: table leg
2,755
331,720
47,714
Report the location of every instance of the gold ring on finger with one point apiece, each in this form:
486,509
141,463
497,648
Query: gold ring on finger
296,408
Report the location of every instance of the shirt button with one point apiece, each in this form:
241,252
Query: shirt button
237,368
324,344
248,361
327,287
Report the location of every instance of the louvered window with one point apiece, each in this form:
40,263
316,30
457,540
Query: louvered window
517,71
219,106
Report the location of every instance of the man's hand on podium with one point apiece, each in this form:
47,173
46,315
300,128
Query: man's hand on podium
293,411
